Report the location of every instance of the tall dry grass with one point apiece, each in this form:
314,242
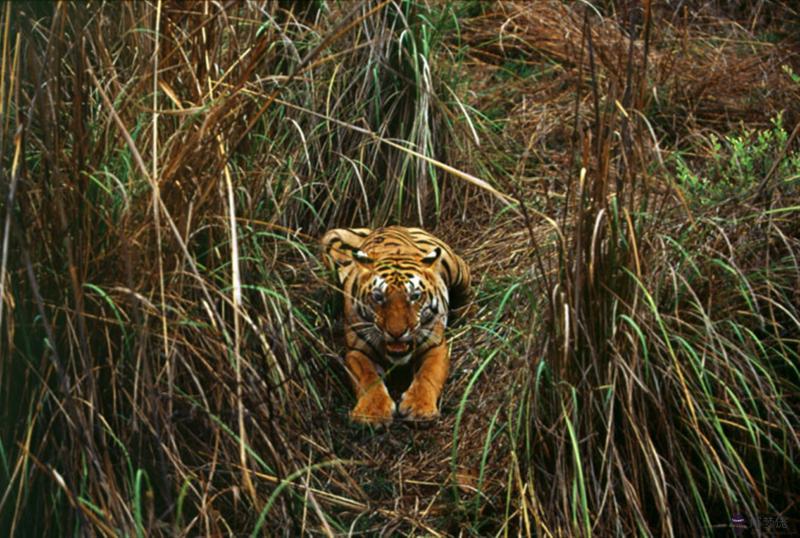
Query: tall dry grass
169,342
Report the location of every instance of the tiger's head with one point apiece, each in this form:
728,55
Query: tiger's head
399,300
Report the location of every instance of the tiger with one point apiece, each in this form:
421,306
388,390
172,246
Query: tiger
399,286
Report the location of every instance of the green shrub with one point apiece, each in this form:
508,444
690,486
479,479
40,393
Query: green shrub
734,165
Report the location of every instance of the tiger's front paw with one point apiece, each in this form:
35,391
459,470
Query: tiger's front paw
419,403
375,407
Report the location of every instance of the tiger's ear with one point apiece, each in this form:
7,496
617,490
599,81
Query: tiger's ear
339,244
362,258
431,257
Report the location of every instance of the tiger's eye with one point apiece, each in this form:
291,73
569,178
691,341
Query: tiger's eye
377,295
415,295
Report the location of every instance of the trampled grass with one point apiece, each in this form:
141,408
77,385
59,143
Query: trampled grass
623,181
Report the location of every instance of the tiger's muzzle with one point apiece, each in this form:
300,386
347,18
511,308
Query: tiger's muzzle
398,348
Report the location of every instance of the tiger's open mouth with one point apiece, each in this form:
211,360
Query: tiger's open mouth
398,349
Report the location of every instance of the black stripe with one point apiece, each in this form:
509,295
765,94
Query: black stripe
376,352
365,314
352,291
449,272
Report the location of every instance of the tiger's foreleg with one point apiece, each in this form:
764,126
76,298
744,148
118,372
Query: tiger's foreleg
374,405
419,402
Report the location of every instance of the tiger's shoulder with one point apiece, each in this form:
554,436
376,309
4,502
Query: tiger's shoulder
340,246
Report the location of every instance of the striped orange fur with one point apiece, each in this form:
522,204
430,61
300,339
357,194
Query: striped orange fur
399,286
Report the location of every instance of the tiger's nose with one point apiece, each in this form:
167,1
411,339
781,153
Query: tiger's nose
391,336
